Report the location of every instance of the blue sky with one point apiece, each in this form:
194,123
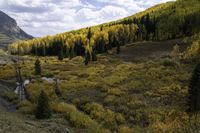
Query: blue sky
49,17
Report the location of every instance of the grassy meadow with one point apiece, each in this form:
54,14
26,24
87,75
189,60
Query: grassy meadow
110,95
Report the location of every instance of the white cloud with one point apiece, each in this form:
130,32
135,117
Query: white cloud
48,17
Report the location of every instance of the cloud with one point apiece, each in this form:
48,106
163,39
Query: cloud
49,17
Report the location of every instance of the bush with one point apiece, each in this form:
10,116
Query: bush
78,119
107,117
26,107
115,91
193,51
10,96
169,63
136,104
141,117
125,129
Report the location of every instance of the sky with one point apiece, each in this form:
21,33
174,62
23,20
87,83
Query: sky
48,17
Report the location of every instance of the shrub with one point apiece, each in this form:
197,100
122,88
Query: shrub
136,104
115,91
141,117
175,52
193,51
125,129
169,62
78,119
34,89
10,96
26,107
107,117
110,99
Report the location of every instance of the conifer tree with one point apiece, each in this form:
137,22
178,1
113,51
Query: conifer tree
71,53
94,56
38,67
101,28
194,91
44,50
118,50
89,35
61,55
43,110
87,58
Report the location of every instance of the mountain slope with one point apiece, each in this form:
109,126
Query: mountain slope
9,31
166,21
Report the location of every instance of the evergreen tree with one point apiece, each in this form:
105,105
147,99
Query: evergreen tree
61,55
36,50
101,28
118,49
43,110
94,56
44,50
38,67
194,91
71,53
87,58
89,35
67,53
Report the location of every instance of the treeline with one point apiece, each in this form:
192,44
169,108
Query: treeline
78,43
167,21
162,22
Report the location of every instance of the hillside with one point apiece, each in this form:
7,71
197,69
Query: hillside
162,22
9,31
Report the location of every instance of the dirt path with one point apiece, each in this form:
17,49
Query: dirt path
137,51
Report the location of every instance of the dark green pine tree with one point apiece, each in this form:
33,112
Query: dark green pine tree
94,56
101,29
61,55
38,67
71,53
43,110
118,50
36,50
89,34
44,50
87,58
194,91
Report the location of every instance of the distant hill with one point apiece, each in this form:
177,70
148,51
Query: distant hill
9,31
171,20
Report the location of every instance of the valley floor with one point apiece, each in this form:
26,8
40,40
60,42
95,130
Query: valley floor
140,90
136,51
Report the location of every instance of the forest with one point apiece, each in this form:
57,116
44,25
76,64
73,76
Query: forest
183,20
